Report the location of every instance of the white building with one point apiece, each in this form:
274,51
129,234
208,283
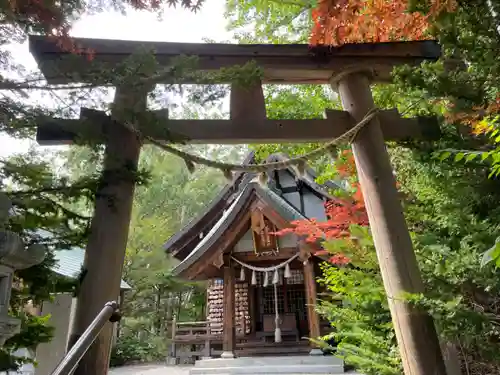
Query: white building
62,310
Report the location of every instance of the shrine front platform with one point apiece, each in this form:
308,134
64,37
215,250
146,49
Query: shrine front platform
290,365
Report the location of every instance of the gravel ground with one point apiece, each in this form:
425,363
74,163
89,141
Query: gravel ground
158,369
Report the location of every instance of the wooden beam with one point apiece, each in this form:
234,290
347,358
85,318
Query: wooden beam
251,257
415,331
282,63
93,124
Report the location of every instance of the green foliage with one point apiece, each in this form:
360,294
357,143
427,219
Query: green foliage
171,198
451,207
492,254
130,349
470,33
356,307
41,214
491,158
273,21
34,329
460,296
53,204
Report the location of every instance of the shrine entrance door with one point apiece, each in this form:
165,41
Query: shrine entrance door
291,308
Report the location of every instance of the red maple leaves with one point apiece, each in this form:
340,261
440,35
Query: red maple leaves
474,118
341,214
338,22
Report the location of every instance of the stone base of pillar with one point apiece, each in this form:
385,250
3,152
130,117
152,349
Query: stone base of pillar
316,351
227,355
172,361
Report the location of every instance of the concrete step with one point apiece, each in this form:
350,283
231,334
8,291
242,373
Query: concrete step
290,365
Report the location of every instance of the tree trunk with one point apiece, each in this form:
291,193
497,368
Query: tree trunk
105,253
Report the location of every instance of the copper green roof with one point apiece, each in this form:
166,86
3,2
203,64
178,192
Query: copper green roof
70,262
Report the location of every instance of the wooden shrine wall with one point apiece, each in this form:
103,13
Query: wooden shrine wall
215,307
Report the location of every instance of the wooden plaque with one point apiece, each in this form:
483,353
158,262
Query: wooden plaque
265,242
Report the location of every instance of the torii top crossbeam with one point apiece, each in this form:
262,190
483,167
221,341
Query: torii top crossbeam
281,63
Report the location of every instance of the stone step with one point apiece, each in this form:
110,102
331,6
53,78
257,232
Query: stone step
269,370
290,365
283,344
270,361
272,351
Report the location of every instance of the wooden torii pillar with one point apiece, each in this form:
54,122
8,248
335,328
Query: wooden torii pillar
105,251
292,64
415,331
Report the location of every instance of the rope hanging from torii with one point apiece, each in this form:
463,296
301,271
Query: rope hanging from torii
275,281
298,162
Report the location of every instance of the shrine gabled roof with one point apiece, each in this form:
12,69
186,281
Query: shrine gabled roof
184,241
189,234
282,208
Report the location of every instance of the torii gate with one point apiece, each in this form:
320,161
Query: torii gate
281,64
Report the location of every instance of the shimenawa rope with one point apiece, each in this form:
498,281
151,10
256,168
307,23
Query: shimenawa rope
228,168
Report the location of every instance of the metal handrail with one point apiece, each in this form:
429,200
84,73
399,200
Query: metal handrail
71,359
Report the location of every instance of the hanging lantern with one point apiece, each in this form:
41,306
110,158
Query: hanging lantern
288,273
242,274
254,278
266,279
276,277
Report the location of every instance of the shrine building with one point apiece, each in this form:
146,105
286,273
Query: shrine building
268,281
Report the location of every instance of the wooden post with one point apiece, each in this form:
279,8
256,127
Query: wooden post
451,358
173,351
312,314
247,103
229,329
415,331
105,251
206,349
118,324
